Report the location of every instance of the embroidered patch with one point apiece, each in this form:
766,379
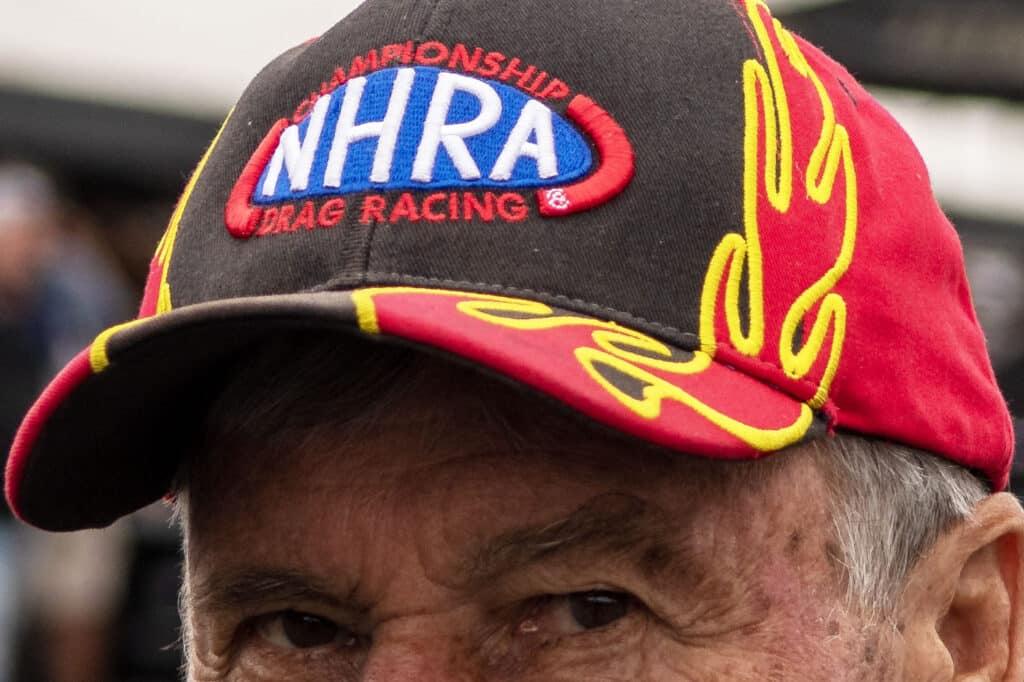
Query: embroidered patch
459,145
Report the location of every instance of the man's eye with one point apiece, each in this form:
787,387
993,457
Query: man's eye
577,612
592,610
295,630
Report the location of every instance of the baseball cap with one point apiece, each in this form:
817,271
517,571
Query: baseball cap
676,218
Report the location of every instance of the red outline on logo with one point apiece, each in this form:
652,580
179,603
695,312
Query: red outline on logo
239,216
612,176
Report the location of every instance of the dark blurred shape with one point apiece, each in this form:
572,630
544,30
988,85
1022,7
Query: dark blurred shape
963,46
142,151
994,256
997,283
146,635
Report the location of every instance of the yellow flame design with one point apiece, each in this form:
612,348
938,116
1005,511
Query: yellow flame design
738,254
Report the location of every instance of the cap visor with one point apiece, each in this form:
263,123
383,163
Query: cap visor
106,436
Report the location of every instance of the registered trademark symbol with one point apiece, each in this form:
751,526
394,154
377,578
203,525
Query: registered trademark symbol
557,199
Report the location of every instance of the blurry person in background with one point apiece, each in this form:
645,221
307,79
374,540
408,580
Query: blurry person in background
57,286
57,289
26,245
27,227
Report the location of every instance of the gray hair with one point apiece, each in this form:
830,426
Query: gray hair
889,502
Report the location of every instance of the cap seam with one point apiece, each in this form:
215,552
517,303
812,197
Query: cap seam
445,23
829,406
742,15
688,340
368,253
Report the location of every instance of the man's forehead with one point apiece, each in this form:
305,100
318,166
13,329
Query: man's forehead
442,457
634,533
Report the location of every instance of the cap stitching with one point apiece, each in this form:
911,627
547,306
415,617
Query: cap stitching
560,297
688,337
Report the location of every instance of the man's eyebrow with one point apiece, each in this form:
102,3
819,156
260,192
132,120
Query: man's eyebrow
237,590
615,526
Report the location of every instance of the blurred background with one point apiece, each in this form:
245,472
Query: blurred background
106,107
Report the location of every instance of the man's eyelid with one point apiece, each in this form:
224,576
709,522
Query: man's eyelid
310,611
345,620
518,599
248,613
559,578
527,584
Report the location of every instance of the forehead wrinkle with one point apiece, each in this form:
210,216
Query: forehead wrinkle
614,525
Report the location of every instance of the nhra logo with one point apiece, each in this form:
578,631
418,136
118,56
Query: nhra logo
463,147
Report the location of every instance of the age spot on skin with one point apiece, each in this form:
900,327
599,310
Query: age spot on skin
871,650
655,560
796,538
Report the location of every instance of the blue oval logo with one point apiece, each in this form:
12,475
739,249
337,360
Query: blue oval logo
422,128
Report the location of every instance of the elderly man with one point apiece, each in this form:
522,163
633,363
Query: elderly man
585,340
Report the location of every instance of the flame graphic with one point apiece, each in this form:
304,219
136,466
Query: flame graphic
767,103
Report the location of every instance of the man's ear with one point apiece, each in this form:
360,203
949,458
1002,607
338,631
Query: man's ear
964,606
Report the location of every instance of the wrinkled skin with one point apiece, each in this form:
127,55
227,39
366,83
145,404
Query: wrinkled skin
440,555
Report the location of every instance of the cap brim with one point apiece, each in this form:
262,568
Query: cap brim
106,436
